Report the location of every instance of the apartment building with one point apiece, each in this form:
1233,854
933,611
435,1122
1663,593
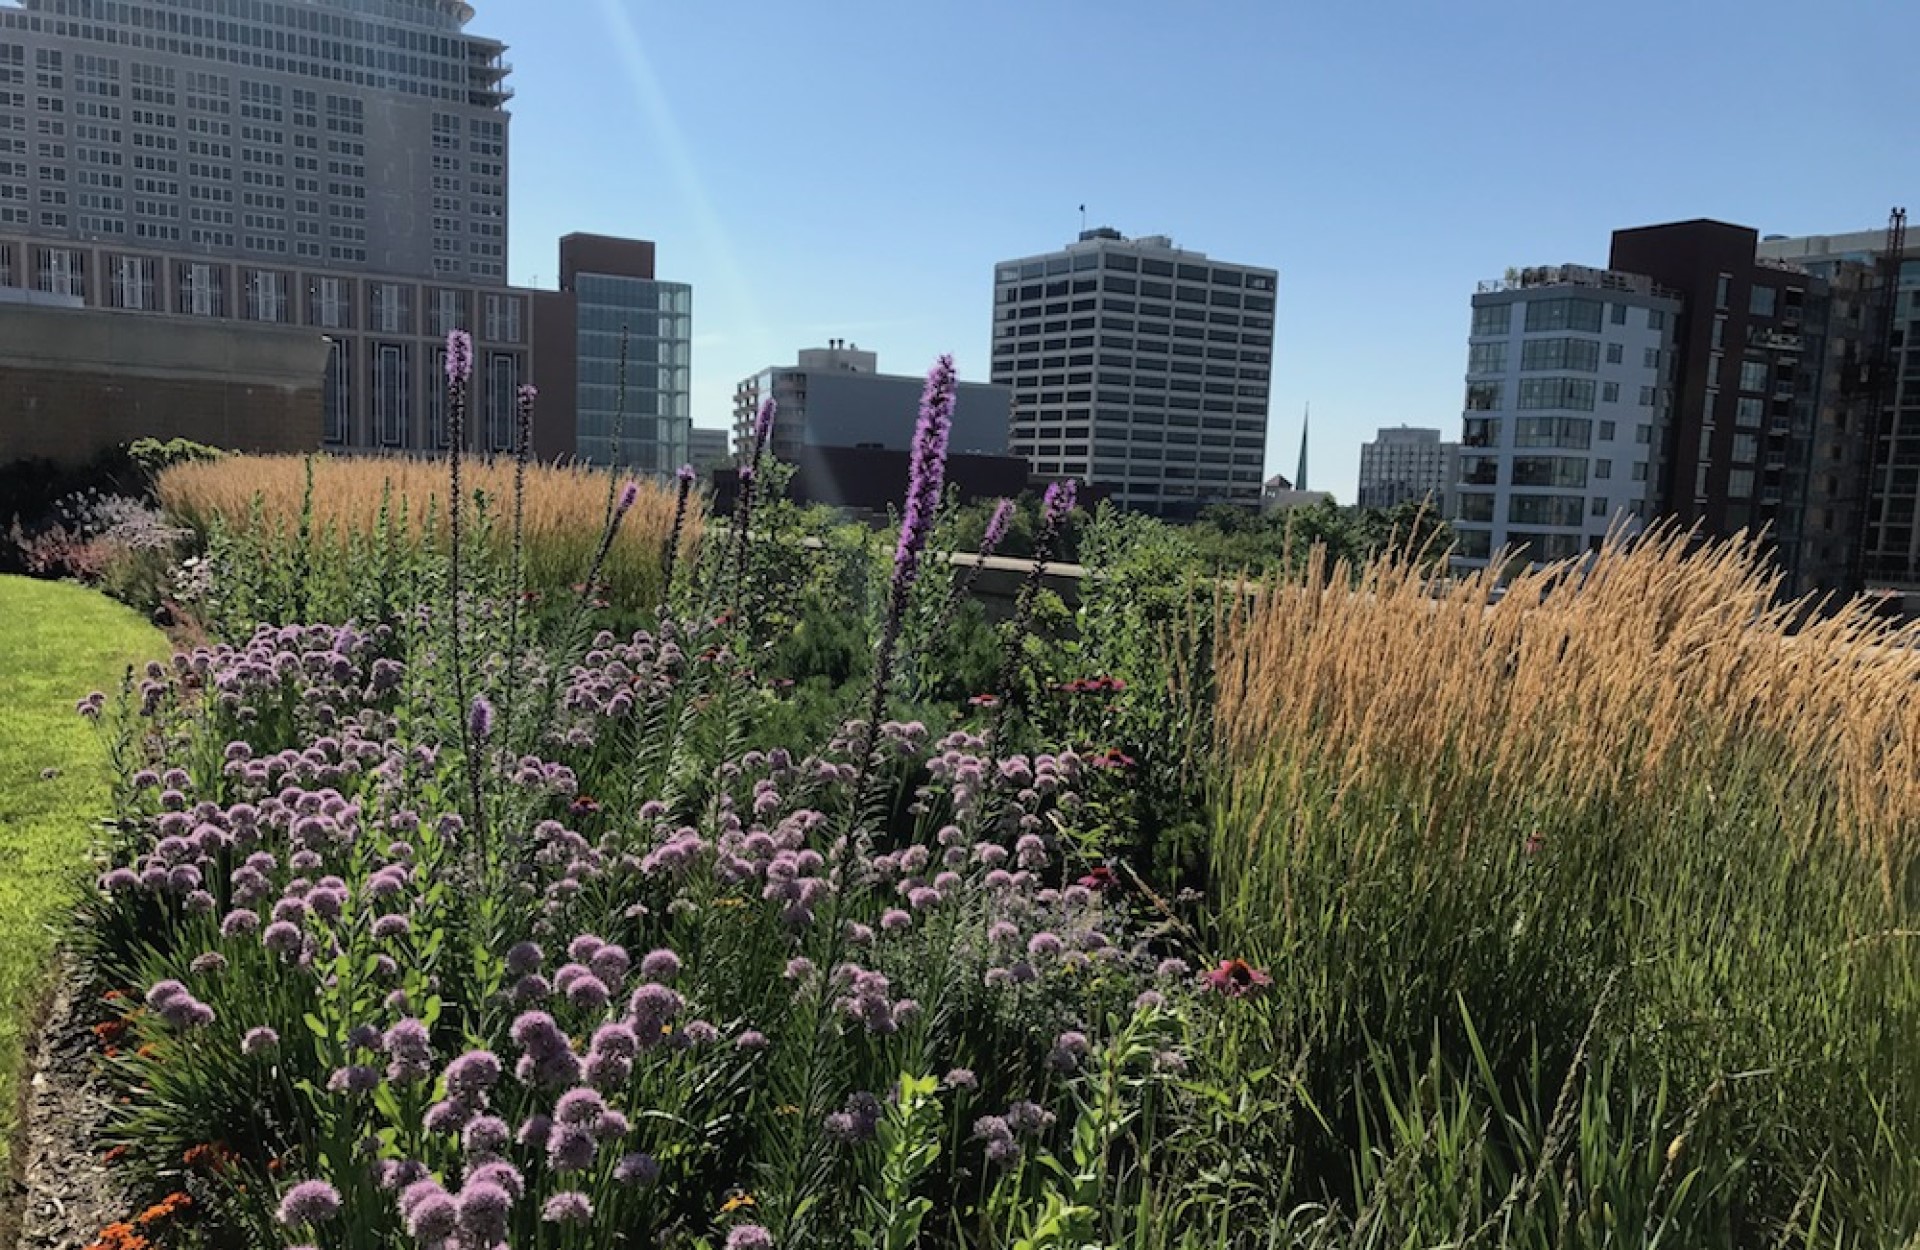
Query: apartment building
1138,366
1567,373
1408,464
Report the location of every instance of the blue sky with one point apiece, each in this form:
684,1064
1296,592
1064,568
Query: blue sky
854,168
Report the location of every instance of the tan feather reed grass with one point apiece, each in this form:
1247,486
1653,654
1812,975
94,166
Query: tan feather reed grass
565,510
1649,672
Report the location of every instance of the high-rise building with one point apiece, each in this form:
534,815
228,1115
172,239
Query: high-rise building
709,449
1871,464
1759,415
337,167
281,132
1566,370
1138,366
836,396
615,346
1408,465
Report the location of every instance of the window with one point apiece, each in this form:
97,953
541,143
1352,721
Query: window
1575,393
1651,359
1656,319
1750,413
1761,301
1578,354
1487,358
1483,396
62,271
392,394
1480,470
1492,319
503,384
1648,394
327,303
1609,392
1643,434
1606,431
387,308
1740,484
1544,509
1599,508
337,394
1474,506
1602,470
1481,432
447,313
133,283
267,296
1753,376
1640,471
1619,314
503,319
1568,471
1615,353
202,289
1570,312
1746,448
1720,290
1569,432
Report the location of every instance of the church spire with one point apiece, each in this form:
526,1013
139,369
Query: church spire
1300,475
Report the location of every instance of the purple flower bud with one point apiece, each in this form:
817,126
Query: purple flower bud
459,357
997,526
480,719
309,1202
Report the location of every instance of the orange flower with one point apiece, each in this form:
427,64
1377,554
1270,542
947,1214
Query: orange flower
121,1236
147,1051
213,1154
114,1155
114,996
109,1030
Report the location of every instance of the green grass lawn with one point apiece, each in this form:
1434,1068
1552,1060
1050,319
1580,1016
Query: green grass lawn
57,642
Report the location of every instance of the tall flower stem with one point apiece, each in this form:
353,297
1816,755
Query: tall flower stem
670,556
748,476
459,376
517,579
990,540
926,478
1054,509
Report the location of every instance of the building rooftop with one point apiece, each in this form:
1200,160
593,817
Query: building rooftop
1536,276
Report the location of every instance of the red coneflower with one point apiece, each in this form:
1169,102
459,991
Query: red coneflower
1236,978
984,700
1101,878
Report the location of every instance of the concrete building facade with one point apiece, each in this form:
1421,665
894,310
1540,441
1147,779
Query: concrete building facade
1138,366
1408,464
1567,373
836,396
338,167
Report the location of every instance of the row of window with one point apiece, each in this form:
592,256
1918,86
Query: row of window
1126,262
1566,312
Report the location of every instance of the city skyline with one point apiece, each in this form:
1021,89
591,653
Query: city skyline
808,195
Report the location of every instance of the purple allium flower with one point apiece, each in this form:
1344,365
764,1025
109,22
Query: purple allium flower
587,993
569,1207
699,1033
473,1074
212,961
525,957
485,1134
1068,1050
481,1211
259,1040
459,357
653,1007
749,1237
391,926
961,1078
309,1202
582,948
120,880
505,1175
449,1116
751,1040
409,1050
281,937
432,1215
636,1169
579,1106
535,1131
480,719
353,1079
660,965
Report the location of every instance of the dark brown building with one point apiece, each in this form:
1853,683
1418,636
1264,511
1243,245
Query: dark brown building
1758,431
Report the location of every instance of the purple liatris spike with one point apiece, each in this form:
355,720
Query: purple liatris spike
480,719
629,494
763,425
527,393
926,470
459,357
685,474
997,526
1059,501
